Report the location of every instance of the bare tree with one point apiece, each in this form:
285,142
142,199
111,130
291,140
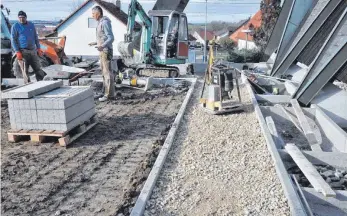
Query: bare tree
75,4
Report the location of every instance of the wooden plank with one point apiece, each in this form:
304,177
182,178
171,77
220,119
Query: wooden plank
64,141
44,133
332,131
13,131
273,98
37,138
12,138
309,171
272,128
294,201
290,117
306,128
36,131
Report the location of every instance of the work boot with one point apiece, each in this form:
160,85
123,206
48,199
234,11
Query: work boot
103,99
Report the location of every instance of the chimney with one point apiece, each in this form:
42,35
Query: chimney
118,4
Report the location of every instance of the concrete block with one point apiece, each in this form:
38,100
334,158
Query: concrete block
39,116
33,89
33,114
82,118
32,104
75,110
26,104
17,117
63,97
10,104
57,116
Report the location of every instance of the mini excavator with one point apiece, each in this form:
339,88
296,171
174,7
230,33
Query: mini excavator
163,41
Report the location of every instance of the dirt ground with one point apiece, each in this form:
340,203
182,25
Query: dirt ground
99,174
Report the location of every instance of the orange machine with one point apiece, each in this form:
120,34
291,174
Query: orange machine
53,48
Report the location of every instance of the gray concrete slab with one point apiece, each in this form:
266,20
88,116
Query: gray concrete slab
63,97
321,205
32,89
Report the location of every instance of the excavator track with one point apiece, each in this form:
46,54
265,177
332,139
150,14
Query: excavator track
158,71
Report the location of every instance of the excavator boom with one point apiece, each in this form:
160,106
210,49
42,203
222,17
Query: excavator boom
175,5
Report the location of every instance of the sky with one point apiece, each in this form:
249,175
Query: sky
217,10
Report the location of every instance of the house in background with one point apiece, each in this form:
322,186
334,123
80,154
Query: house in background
226,32
241,38
80,28
200,36
192,40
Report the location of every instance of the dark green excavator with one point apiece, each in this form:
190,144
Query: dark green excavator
163,42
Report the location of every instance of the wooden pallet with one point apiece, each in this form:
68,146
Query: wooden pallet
65,137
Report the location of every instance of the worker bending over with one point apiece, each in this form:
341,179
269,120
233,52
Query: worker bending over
105,38
25,43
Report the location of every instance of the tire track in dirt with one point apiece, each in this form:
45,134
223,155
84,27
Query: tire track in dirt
63,176
102,171
82,176
50,166
105,199
92,203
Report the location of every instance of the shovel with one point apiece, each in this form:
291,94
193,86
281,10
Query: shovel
24,72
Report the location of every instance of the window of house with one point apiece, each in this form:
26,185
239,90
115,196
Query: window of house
92,23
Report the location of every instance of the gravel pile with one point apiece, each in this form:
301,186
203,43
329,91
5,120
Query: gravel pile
218,165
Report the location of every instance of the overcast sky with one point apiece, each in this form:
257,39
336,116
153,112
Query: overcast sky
224,10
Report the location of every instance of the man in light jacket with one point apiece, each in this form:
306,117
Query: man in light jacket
104,40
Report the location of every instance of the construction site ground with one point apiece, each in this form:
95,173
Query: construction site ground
99,174
218,165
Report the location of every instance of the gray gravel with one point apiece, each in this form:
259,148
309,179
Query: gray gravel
218,165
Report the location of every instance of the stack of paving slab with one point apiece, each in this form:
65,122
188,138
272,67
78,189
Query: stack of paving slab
48,105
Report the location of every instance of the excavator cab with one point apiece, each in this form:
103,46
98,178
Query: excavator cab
169,36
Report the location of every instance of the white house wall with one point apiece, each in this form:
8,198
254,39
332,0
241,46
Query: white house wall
79,35
241,44
198,38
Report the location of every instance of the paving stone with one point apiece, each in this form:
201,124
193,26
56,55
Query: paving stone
60,109
31,90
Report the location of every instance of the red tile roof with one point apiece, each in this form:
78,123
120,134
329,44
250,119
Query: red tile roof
254,22
209,34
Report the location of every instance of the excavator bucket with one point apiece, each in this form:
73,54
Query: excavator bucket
126,49
176,5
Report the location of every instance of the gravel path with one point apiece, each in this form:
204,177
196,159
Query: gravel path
218,165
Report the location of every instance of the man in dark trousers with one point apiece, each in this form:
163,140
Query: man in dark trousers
26,44
104,40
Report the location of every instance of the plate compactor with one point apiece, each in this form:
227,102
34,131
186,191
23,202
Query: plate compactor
216,96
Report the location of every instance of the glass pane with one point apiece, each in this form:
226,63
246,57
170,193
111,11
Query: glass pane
174,24
159,25
183,31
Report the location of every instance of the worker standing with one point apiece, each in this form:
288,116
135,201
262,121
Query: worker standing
25,43
104,38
